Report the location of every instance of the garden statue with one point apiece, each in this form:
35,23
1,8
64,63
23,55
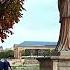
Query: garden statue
64,37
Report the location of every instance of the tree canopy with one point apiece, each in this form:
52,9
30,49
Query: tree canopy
10,12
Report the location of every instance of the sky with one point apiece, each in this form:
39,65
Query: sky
40,22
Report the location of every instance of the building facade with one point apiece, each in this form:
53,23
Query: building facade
17,51
32,48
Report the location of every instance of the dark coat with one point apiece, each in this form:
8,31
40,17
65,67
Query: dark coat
1,65
6,65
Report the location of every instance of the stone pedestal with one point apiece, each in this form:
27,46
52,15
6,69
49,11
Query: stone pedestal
65,53
61,62
64,65
55,62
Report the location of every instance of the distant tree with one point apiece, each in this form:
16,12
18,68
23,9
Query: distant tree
46,52
1,55
10,54
7,54
27,52
10,12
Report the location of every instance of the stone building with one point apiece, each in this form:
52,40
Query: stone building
35,48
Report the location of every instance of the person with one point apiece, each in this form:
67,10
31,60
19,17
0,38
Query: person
6,65
64,37
1,65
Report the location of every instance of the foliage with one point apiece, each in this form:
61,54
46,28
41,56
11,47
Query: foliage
26,52
10,12
7,54
46,52
43,52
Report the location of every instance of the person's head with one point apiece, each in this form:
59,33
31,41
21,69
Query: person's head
2,60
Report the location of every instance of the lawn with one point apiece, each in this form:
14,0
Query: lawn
27,67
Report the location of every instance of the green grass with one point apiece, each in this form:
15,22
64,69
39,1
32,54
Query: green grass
26,67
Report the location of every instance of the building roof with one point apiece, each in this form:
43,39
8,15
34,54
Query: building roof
38,43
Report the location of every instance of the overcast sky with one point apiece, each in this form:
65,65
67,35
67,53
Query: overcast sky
39,23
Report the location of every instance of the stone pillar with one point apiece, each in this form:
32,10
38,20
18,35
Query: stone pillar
55,65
